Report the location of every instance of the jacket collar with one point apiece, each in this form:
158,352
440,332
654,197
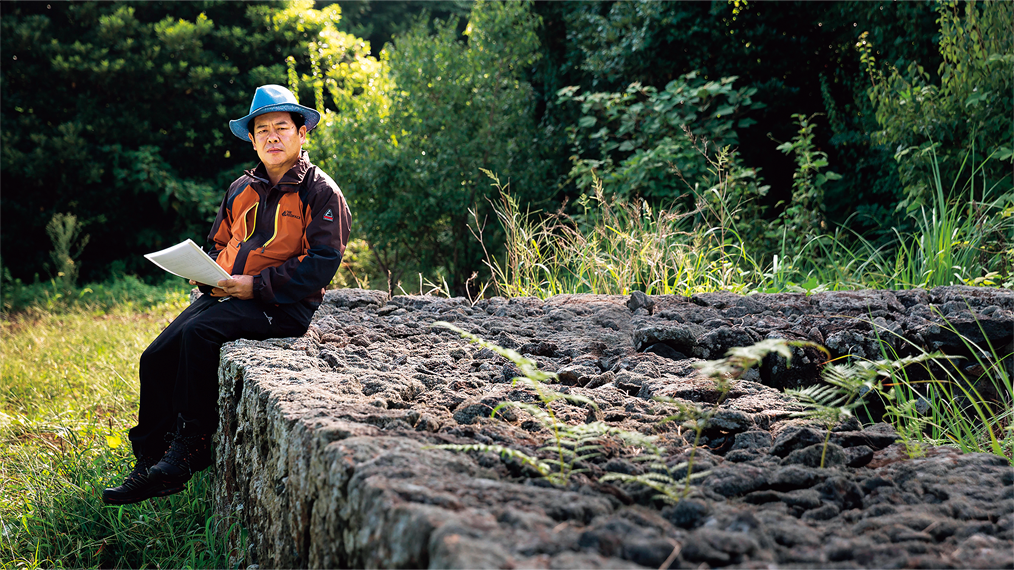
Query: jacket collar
293,177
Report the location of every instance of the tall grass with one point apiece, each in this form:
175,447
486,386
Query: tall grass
68,393
967,403
627,247
965,241
620,247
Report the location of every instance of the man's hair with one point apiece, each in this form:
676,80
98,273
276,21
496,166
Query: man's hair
297,118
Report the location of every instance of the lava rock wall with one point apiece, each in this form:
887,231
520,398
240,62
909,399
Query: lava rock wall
324,448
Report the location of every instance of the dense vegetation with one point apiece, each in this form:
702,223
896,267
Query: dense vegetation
518,148
801,121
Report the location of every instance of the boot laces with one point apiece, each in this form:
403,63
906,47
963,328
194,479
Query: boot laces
139,475
183,450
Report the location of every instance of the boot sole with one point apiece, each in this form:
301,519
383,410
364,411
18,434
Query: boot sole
137,499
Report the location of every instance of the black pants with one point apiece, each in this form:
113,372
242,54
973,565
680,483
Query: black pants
179,370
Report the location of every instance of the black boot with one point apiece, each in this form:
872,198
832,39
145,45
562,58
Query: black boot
189,452
139,486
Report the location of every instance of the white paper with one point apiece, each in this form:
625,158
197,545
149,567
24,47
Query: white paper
187,260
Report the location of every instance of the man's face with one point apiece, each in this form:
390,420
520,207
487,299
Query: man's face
276,139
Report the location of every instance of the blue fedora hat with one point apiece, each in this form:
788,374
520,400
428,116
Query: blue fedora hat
268,99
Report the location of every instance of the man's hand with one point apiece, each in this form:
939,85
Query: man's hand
240,286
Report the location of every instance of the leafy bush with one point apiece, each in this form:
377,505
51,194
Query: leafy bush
414,128
970,109
117,113
633,140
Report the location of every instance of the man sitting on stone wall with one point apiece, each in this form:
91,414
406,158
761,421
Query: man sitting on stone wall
280,233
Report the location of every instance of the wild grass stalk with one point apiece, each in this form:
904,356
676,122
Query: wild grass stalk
961,242
616,247
930,398
568,445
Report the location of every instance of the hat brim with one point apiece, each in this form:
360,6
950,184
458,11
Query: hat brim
240,127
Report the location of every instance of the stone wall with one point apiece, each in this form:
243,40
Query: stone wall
323,450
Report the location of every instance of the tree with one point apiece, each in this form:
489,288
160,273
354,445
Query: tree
799,56
118,113
411,152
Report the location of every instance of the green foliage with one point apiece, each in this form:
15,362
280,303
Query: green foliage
408,154
725,373
634,139
380,21
68,394
968,406
64,232
928,397
569,446
117,113
846,386
615,247
660,478
804,217
957,240
970,108
123,293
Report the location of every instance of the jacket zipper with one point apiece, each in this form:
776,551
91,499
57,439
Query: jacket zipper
252,227
275,234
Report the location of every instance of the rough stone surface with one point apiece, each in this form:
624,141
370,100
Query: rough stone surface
324,446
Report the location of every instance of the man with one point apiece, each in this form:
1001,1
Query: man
280,233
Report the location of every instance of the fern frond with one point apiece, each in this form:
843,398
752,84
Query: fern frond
527,366
504,452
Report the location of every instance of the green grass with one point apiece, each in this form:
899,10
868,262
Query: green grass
122,293
617,247
68,395
961,402
625,247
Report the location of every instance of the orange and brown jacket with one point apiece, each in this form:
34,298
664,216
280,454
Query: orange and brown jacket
290,237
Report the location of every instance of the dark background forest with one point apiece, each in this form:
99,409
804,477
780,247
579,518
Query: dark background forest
833,116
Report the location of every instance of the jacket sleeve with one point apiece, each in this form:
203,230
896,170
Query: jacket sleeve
325,238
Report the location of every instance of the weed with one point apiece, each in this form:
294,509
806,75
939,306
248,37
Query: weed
570,445
963,241
969,407
940,406
624,247
64,232
845,387
803,217
659,477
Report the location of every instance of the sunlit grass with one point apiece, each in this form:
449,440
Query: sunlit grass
618,247
68,395
963,402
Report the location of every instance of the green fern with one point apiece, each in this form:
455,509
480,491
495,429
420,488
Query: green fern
570,445
845,386
504,452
